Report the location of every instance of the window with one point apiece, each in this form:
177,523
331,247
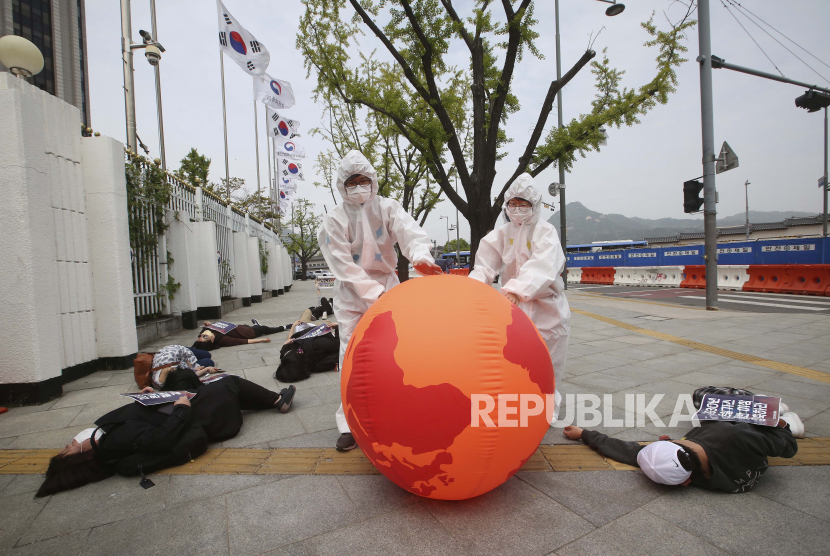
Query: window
32,19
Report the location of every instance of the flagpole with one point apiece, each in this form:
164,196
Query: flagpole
268,155
225,123
256,142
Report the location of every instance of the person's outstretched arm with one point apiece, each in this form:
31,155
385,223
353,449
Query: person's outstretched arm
488,258
412,239
614,448
540,271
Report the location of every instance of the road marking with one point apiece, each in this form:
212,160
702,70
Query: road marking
701,298
766,363
625,300
788,299
327,461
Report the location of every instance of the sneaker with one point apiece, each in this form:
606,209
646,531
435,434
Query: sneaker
286,397
256,322
783,408
346,442
794,421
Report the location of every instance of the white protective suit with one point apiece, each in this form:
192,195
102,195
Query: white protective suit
357,241
529,258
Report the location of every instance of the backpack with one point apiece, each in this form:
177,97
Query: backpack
143,369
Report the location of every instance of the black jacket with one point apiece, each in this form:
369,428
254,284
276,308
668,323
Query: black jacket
321,352
737,452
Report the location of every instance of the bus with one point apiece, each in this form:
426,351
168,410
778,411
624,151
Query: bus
463,258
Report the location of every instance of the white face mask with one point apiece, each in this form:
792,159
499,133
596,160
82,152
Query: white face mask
518,217
360,193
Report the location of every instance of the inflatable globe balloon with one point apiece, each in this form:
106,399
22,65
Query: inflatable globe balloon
447,387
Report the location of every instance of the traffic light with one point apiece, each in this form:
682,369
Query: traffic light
691,201
813,101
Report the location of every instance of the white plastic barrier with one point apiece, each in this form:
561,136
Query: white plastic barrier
325,287
732,277
667,276
625,275
574,275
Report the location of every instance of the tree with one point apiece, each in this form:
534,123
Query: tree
256,204
301,231
431,111
402,170
226,189
194,168
449,247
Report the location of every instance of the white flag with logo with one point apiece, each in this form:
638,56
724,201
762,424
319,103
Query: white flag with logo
288,148
291,169
280,126
285,202
287,185
274,93
240,45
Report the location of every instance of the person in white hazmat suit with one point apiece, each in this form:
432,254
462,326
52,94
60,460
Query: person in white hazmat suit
357,240
527,254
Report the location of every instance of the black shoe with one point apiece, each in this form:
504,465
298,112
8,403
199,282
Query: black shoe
346,442
286,397
256,322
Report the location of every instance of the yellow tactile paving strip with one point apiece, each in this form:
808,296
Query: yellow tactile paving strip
328,461
774,365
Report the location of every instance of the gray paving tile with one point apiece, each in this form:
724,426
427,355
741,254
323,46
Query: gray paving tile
265,426
598,496
514,518
317,418
93,395
638,532
727,374
21,484
91,412
375,494
184,489
406,531
26,409
200,528
314,381
328,394
294,549
601,382
113,499
57,438
685,362
16,425
285,512
66,545
743,524
16,514
606,360
806,488
812,391
818,424
321,439
671,390
95,380
639,372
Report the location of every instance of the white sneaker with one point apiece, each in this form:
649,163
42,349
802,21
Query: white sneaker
783,408
794,421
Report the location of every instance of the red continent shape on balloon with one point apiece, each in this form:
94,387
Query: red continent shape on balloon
524,348
424,419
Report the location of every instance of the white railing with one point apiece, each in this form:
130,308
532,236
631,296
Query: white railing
145,264
216,210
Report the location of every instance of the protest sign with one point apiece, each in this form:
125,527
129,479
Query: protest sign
158,398
756,410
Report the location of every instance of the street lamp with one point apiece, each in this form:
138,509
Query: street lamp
448,227
813,101
20,55
614,9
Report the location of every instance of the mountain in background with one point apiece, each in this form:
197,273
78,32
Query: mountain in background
587,226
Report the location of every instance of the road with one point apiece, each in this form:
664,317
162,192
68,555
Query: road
727,299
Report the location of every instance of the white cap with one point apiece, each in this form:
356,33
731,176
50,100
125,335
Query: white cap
659,462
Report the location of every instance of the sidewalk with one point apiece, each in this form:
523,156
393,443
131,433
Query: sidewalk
613,350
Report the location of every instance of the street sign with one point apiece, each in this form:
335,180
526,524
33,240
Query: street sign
727,159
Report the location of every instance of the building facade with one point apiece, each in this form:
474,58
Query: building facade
58,29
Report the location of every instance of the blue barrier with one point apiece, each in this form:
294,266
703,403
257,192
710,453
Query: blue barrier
776,251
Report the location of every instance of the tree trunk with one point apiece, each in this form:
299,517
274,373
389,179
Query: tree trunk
403,267
481,222
304,270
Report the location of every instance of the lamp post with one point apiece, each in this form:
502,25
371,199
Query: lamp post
746,193
614,9
21,56
447,218
157,72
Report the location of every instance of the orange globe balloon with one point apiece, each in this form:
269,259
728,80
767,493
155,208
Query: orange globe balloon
417,376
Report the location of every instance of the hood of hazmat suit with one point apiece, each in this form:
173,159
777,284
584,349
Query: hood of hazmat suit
528,257
358,237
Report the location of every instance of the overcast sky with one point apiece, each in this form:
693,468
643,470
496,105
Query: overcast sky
639,173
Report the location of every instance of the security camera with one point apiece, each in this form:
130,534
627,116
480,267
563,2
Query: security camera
145,35
153,54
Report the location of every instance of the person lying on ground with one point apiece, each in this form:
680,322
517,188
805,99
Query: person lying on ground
309,350
323,311
171,358
717,455
240,335
136,439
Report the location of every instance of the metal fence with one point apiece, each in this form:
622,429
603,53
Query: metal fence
185,201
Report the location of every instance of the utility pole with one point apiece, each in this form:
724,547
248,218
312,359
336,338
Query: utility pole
710,228
746,192
563,226
826,185
157,72
129,90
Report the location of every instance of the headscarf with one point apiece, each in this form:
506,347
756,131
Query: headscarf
363,242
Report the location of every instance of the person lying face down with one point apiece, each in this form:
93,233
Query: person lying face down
136,439
243,334
717,455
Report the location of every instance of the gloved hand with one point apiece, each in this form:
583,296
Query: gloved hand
427,269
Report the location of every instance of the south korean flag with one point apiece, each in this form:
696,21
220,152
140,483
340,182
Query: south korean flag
291,170
240,45
273,93
280,127
288,186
